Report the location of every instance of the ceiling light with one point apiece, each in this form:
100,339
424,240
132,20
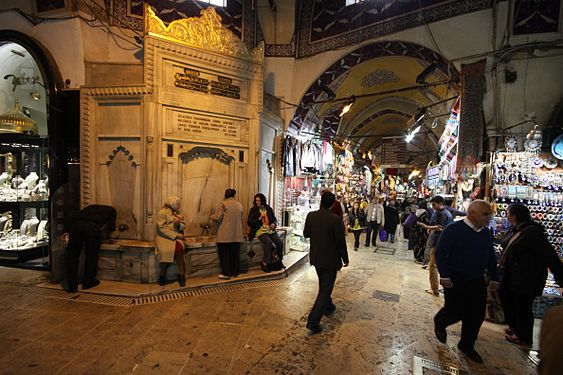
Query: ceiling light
347,107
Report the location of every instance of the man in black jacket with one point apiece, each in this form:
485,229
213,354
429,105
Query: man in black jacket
89,227
328,252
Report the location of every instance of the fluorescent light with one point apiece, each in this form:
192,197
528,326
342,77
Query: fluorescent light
345,109
416,130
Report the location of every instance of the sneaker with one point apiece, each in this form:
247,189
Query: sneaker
224,277
470,353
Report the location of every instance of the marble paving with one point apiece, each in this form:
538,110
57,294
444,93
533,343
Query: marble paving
252,331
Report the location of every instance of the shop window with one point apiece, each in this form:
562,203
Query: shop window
24,159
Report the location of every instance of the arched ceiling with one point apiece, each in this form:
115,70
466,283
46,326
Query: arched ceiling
387,98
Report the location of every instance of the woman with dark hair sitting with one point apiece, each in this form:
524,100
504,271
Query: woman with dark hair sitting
262,223
228,218
523,265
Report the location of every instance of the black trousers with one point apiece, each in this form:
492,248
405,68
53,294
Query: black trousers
229,258
357,234
518,312
373,231
323,303
465,301
82,233
269,241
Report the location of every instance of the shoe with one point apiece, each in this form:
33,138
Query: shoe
514,339
224,277
330,311
265,267
314,328
425,266
418,261
366,245
375,250
182,280
162,280
283,265
471,353
71,290
430,291
355,249
509,331
90,284
441,333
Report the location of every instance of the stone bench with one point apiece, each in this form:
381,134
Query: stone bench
135,261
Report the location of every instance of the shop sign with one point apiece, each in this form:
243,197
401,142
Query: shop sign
433,176
191,79
204,125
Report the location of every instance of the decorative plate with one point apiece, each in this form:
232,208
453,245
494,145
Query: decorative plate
550,162
511,143
557,147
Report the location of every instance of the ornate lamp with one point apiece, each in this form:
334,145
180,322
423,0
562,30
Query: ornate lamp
15,121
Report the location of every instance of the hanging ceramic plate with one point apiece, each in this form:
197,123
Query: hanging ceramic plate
550,162
537,162
557,147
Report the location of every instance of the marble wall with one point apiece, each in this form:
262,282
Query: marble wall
191,130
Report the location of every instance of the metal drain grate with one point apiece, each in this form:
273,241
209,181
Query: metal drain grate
205,291
124,301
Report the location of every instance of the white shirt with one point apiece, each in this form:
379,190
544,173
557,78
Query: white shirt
471,225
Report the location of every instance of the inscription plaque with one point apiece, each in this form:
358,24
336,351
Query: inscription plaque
205,125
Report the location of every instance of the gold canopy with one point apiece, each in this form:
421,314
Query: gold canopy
15,121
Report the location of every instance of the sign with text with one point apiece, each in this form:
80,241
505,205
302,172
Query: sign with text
195,80
206,126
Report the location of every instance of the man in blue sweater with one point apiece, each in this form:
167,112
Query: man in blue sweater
464,254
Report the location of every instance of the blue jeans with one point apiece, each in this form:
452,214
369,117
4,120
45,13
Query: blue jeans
323,303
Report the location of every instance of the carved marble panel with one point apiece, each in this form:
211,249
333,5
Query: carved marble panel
206,173
119,183
119,118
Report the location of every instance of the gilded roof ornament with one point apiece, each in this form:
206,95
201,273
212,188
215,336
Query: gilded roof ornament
205,32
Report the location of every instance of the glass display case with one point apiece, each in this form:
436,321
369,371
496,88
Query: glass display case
24,198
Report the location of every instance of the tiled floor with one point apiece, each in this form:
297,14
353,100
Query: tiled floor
382,322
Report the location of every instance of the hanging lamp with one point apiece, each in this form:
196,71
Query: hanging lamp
15,121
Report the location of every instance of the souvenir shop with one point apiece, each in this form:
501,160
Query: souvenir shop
534,178
308,171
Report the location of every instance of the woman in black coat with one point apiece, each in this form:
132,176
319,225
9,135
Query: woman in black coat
263,223
391,220
523,265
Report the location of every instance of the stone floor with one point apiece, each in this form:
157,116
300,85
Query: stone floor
382,325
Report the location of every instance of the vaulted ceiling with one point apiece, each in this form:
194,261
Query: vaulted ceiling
383,80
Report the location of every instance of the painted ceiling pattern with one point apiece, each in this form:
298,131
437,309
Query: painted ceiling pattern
379,77
130,13
331,18
327,25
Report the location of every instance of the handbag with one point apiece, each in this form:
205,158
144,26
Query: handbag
383,235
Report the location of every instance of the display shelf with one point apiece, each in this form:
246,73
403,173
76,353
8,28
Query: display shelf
24,198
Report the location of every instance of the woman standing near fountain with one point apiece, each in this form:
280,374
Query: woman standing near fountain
228,217
169,239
